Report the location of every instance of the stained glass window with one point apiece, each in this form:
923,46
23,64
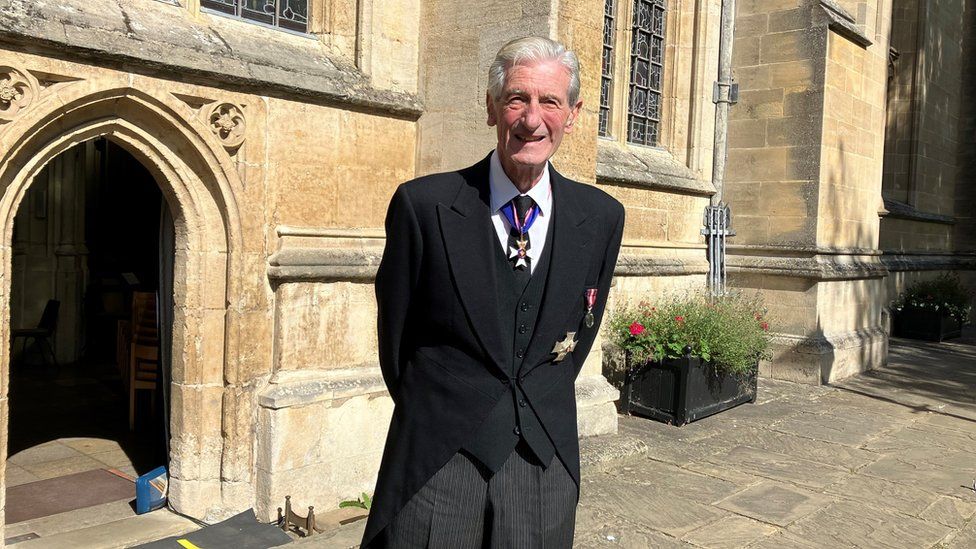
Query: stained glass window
606,75
646,72
287,14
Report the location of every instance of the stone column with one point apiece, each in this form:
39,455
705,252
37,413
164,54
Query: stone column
804,180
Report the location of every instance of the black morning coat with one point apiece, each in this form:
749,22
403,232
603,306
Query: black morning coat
440,339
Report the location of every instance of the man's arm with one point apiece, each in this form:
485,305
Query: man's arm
603,285
396,281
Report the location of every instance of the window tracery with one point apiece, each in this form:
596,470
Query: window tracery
286,14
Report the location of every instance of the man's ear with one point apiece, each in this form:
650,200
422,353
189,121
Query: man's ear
573,114
490,108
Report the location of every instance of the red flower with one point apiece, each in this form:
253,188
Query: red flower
765,326
636,329
679,319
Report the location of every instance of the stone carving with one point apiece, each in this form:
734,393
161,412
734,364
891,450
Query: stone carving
227,122
18,89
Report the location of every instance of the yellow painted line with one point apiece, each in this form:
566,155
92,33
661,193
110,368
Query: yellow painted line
187,544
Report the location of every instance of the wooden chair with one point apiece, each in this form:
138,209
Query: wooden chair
143,351
42,334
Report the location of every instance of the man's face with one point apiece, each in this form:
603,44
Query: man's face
532,114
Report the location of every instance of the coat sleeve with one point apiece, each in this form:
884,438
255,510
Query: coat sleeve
603,285
396,281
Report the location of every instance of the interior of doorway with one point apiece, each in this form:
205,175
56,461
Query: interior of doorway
88,402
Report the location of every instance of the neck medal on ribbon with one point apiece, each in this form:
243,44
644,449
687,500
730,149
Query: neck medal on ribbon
522,227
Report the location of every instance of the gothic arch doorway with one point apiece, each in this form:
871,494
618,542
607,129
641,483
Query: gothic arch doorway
88,385
199,186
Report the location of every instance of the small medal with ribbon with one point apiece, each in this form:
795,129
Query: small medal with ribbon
590,303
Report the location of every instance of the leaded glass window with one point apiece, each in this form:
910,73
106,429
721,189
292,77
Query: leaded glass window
287,14
606,75
646,72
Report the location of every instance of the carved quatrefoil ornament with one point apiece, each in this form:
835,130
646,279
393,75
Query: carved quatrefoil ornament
228,124
18,89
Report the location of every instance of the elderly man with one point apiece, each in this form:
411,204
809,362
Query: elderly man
490,293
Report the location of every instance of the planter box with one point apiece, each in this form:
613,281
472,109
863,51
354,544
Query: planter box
925,324
683,390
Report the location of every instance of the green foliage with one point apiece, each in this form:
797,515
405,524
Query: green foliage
731,331
364,502
944,293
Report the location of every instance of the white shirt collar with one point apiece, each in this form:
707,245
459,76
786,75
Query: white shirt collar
503,190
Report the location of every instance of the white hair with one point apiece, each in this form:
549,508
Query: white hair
533,49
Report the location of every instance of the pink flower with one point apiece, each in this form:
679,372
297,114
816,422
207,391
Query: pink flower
765,326
636,329
679,319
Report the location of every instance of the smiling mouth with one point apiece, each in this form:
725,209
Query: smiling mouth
529,138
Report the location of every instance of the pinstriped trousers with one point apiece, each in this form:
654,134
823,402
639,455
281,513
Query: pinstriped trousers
463,506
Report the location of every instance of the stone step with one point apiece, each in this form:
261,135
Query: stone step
126,532
69,520
604,450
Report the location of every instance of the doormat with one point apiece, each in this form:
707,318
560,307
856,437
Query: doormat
60,494
242,531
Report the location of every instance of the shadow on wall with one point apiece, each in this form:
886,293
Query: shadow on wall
849,222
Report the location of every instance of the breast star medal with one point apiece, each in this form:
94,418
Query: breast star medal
564,347
590,302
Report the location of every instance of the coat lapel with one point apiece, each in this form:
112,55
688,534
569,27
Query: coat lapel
471,245
567,270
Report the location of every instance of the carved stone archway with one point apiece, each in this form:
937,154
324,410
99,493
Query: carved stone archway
197,179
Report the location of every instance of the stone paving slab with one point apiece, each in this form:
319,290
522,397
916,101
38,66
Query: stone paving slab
772,465
883,494
964,538
803,447
598,528
775,503
672,479
850,524
646,505
934,469
851,430
723,472
952,512
730,532
912,437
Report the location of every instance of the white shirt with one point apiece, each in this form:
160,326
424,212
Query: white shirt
503,191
